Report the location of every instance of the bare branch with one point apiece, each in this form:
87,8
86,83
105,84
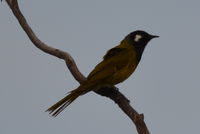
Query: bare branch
112,93
123,103
13,4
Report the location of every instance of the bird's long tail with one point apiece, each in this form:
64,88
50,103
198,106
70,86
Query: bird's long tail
66,101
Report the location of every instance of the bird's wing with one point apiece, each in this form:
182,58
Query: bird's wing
116,58
112,52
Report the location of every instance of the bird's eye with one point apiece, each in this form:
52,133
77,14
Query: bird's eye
137,37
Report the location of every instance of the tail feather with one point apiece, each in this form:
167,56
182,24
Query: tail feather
63,103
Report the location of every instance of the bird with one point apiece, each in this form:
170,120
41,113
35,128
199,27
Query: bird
117,65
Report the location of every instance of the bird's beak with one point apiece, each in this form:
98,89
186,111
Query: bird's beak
154,36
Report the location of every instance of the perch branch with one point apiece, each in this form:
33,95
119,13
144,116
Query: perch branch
112,93
13,4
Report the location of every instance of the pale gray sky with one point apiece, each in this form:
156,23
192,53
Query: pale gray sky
165,86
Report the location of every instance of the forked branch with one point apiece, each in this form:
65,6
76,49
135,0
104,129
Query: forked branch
112,93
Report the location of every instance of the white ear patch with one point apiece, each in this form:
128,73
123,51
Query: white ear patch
137,37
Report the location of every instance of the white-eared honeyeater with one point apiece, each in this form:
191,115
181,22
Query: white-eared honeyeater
117,65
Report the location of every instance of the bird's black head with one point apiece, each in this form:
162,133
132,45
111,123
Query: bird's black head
139,40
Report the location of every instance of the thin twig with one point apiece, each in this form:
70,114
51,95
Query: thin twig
13,4
112,93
